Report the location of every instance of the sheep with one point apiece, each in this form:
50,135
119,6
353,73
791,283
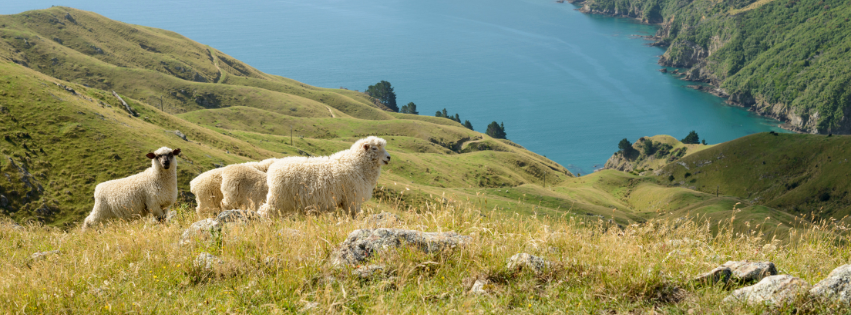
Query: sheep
243,186
152,191
220,189
207,190
345,179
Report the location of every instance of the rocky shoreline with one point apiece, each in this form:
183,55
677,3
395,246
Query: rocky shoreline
694,58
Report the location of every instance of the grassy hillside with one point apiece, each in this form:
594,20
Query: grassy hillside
785,59
284,266
799,174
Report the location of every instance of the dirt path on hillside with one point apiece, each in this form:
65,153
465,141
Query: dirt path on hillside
216,63
332,112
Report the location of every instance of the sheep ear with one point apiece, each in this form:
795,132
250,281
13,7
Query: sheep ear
151,155
176,152
366,146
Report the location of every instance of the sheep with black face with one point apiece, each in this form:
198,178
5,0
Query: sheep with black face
152,191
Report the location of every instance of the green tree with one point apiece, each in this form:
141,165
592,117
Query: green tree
468,124
496,130
625,147
383,92
457,118
691,138
411,108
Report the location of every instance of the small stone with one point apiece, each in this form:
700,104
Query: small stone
773,290
527,261
383,220
366,272
836,287
40,255
206,261
720,274
480,287
237,216
289,233
205,230
308,306
360,245
746,271
171,216
180,134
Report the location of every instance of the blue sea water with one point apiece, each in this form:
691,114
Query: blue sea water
566,85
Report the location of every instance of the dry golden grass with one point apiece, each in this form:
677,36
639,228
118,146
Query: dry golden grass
137,267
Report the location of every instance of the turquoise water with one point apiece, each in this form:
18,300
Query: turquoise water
566,85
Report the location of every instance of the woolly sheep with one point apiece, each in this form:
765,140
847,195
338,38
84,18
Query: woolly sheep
345,179
207,190
243,186
151,191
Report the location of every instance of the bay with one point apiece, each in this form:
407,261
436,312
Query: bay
566,85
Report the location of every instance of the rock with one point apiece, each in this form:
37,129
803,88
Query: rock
366,272
180,134
480,286
383,220
528,262
206,261
836,287
746,271
773,290
237,216
663,70
4,201
308,306
289,233
360,245
206,230
40,255
721,274
171,216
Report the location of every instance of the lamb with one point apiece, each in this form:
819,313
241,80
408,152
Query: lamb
207,190
345,179
152,191
243,186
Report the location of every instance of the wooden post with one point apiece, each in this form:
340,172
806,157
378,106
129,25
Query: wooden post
716,191
291,135
161,103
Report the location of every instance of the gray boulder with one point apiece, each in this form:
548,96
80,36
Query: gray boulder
746,271
180,134
720,274
836,287
206,261
237,216
528,262
206,230
360,245
480,287
773,290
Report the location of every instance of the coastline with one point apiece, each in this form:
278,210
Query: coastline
693,65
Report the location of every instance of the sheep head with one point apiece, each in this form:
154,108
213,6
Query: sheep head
374,148
163,157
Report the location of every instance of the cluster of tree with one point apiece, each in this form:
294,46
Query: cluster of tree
411,108
456,118
383,93
496,130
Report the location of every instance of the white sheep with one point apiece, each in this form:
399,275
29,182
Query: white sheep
345,179
207,190
243,186
152,191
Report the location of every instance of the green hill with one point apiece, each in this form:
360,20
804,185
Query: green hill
790,60
799,174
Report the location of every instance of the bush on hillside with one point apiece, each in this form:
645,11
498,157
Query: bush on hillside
411,108
691,138
496,130
383,93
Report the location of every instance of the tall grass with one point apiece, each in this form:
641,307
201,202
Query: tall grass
283,266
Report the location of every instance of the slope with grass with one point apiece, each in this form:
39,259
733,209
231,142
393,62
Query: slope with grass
798,174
